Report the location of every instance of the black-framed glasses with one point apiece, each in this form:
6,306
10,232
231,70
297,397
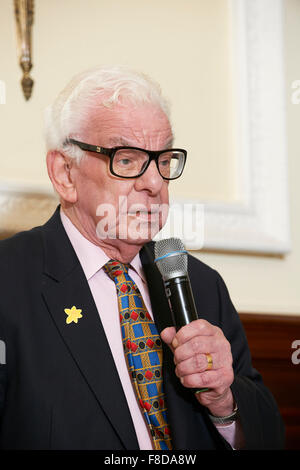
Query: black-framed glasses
131,162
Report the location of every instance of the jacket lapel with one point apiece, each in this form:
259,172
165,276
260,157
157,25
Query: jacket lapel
159,302
65,286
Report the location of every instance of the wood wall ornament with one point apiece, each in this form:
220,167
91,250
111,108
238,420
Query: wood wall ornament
24,22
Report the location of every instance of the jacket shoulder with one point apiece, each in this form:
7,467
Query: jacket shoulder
20,248
201,270
20,239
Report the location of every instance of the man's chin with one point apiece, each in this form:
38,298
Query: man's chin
131,230
141,234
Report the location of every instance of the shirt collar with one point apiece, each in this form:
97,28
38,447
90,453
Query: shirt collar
92,258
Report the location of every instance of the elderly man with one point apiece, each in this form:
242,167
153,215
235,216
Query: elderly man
82,305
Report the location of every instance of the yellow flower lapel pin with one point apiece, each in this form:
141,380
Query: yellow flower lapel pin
73,314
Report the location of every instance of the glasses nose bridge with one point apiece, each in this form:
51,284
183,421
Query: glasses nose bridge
153,155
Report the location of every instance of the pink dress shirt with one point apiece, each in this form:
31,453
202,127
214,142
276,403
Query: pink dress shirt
92,259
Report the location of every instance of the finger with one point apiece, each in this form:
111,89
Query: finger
197,345
212,379
167,335
196,364
195,328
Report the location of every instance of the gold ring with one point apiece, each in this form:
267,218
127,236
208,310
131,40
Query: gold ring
209,361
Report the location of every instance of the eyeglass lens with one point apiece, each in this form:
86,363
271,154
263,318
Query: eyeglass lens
132,162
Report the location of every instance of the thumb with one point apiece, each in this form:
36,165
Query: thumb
167,335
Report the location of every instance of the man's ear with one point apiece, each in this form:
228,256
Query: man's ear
60,173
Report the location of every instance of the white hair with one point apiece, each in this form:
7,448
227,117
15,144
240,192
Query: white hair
72,107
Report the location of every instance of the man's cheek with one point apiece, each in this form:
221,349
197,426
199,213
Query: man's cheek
164,211
106,221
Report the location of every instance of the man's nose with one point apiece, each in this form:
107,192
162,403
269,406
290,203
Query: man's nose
151,180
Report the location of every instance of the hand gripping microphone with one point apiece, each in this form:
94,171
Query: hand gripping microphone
171,259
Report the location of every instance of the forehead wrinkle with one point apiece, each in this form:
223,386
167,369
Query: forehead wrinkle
117,141
152,136
122,141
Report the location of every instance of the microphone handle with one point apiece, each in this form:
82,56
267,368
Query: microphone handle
182,305
181,301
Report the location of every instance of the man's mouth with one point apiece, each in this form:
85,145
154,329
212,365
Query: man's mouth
145,215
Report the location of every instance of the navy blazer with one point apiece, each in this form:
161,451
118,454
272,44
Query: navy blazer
59,388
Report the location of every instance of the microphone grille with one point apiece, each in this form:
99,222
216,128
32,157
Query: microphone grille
171,258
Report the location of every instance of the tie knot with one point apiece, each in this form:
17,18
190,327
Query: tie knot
114,269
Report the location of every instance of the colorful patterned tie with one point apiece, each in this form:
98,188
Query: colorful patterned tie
143,352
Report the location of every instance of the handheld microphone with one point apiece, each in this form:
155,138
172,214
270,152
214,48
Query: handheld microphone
171,259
